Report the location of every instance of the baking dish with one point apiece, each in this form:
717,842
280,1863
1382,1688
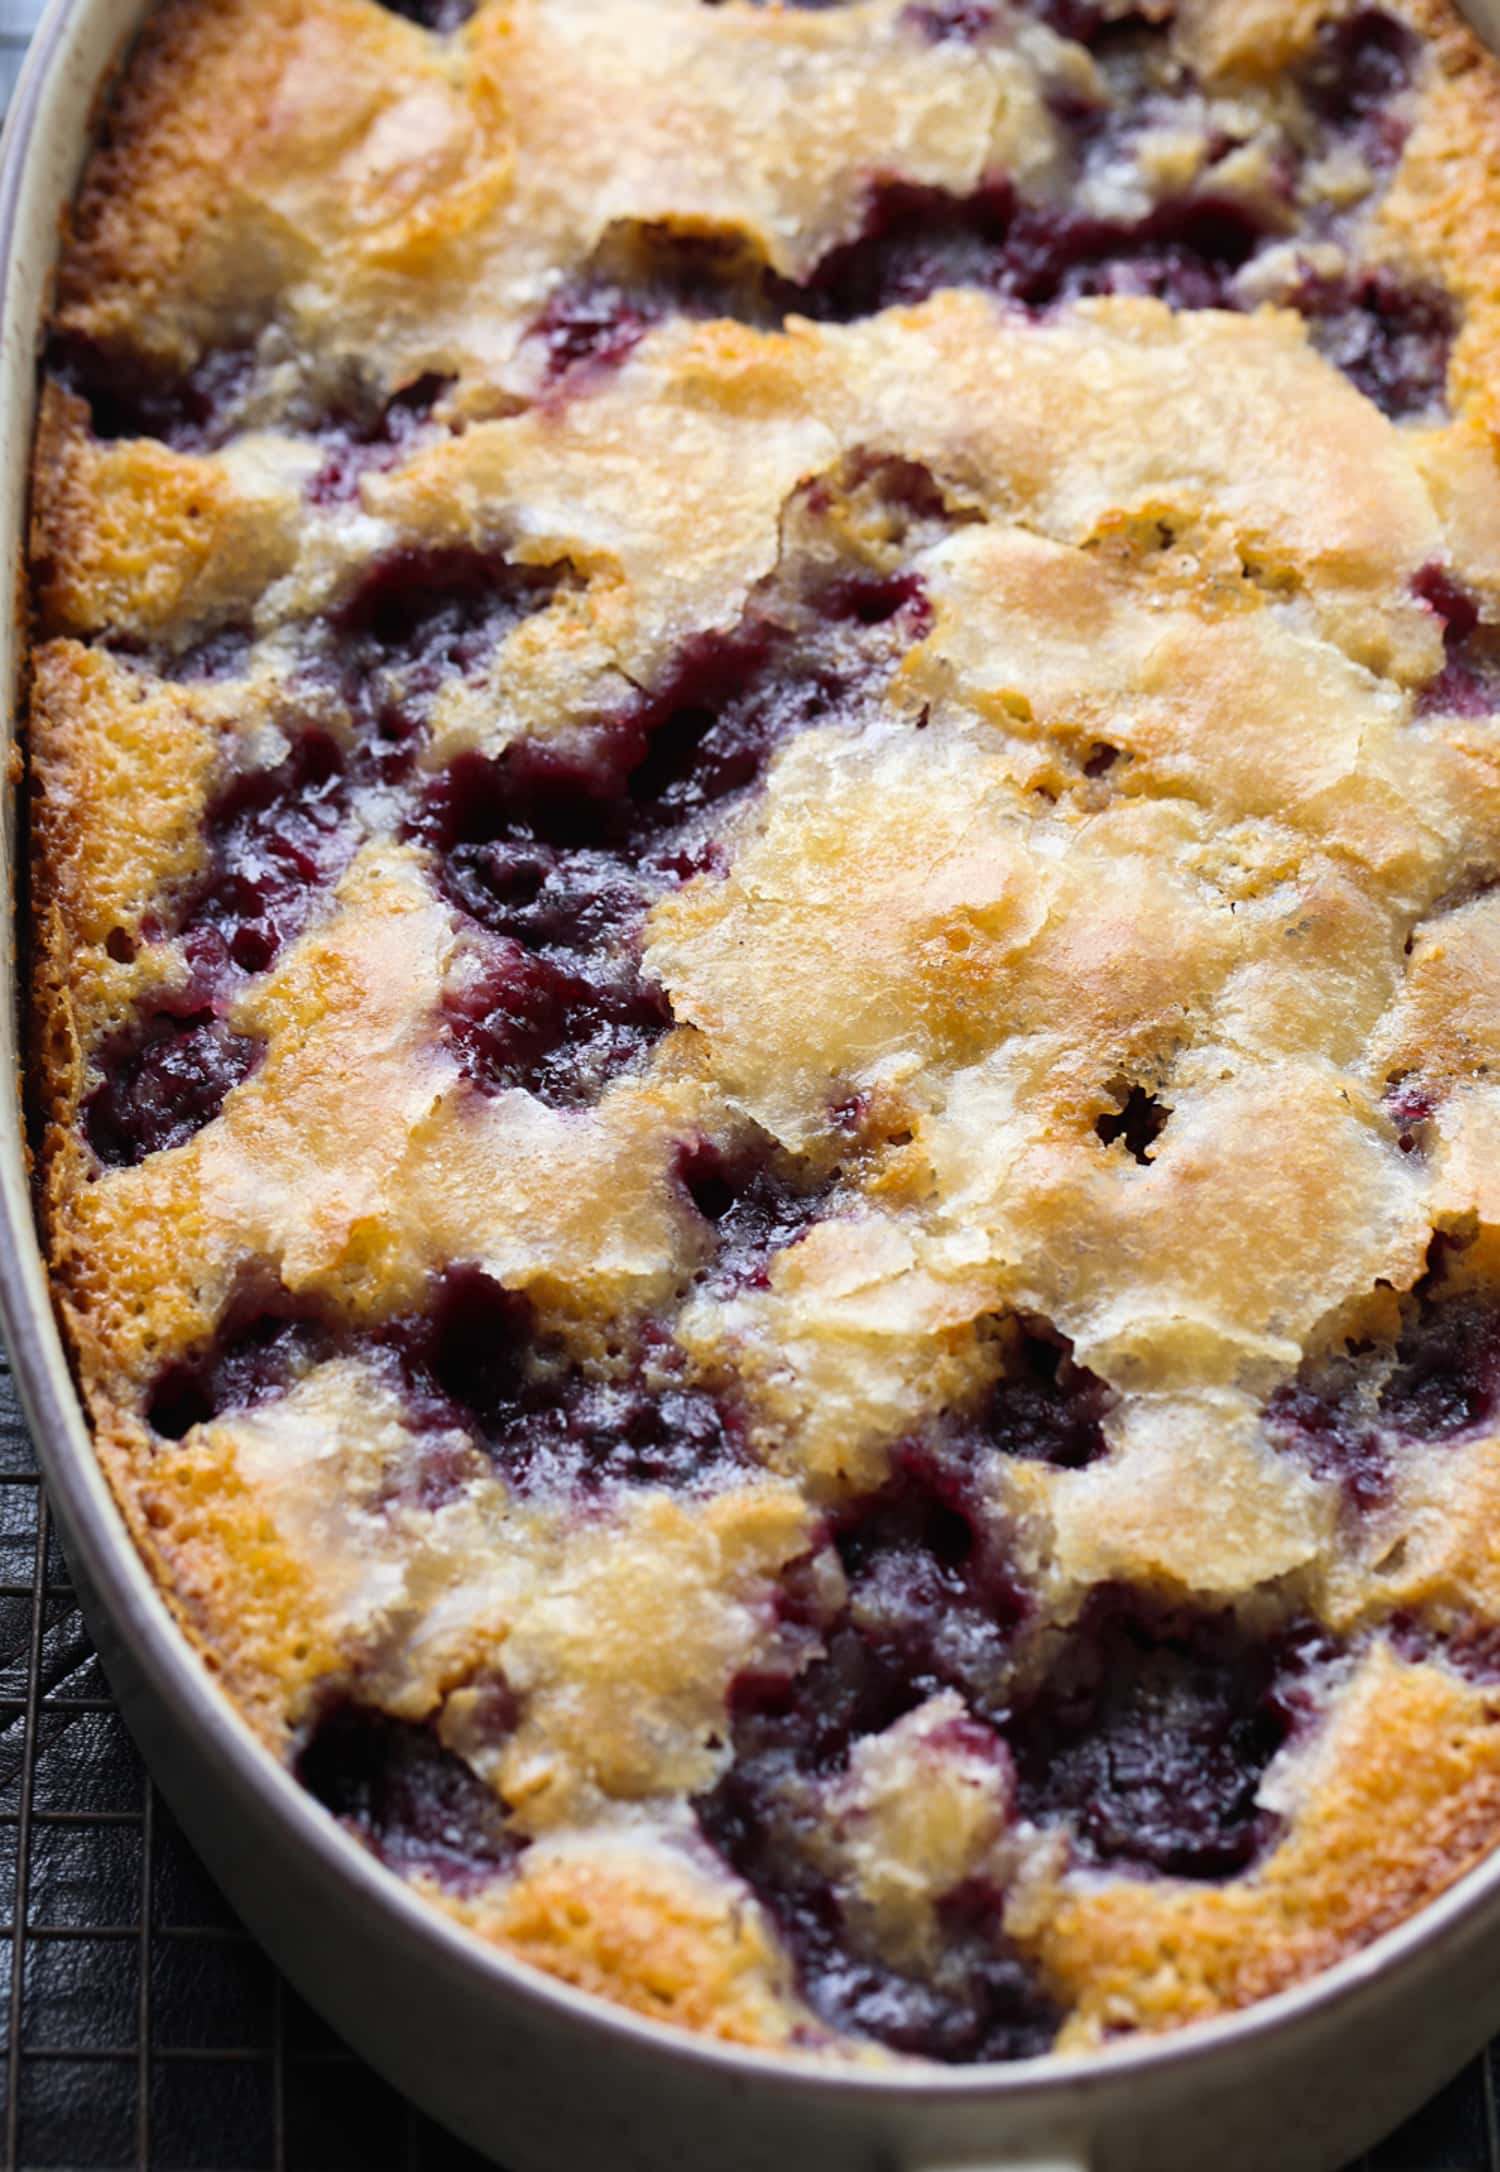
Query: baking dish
496,2051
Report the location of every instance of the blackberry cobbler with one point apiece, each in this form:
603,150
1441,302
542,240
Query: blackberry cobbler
766,790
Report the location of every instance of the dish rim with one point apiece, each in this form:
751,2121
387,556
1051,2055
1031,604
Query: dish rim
128,1598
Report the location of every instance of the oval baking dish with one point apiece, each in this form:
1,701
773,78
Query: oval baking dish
542,2076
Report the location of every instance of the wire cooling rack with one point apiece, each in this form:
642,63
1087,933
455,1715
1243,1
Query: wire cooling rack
143,2027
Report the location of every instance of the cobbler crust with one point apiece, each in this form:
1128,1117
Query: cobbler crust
729,931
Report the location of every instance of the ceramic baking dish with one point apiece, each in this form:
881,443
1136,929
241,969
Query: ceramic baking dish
545,2078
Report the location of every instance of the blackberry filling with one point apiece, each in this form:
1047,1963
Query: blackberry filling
1391,339
411,1801
1149,1736
931,1606
355,443
437,15
913,240
933,1600
757,1200
1045,1407
557,852
643,274
522,1022
548,1424
977,1999
222,654
477,1361
1472,1651
1469,683
963,21
1363,64
253,1357
128,395
420,617
1409,1107
162,1083
1354,1413
1087,22
276,838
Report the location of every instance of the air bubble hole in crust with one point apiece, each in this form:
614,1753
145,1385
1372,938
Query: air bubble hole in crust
1136,1124
440,16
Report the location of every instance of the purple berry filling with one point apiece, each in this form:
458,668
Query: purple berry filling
931,1606
222,654
1149,1736
411,1801
1409,1106
978,2000
963,22
420,617
276,837
1446,1380
1469,683
128,395
253,1358
758,1201
356,443
644,274
557,851
1138,1123
1472,1651
1391,339
1045,1408
162,1083
476,1359
594,324
933,1600
1363,65
523,1022
916,240
1354,1413
1088,22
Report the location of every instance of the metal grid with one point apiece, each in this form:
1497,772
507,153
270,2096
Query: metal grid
144,2029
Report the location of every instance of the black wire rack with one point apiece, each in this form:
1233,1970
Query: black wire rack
145,2031
144,2028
